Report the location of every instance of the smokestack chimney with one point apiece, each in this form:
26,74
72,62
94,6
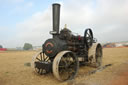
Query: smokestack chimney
56,19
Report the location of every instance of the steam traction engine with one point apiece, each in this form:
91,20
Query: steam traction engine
64,53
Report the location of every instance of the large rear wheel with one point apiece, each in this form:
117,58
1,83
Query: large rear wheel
95,55
98,56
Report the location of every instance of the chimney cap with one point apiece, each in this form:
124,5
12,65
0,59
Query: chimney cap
56,4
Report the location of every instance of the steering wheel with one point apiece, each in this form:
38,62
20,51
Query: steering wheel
88,37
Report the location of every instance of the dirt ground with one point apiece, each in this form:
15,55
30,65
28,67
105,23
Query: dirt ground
13,70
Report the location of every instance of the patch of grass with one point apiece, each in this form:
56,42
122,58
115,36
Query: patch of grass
27,64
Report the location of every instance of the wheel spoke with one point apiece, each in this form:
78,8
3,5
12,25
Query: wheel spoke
41,71
38,70
38,58
45,59
41,56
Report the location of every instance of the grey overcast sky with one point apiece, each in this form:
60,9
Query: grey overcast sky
31,20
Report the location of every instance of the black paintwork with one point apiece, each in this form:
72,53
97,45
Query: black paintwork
65,40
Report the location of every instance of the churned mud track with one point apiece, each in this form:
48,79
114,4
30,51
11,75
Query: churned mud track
13,70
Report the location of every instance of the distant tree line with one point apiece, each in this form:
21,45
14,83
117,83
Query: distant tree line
1,46
28,46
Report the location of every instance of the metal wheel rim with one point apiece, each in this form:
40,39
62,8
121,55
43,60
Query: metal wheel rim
98,56
62,70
